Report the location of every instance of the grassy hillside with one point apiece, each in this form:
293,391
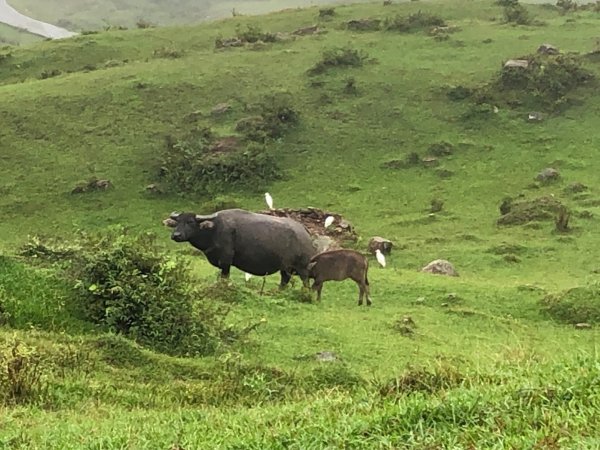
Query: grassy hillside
91,14
12,36
475,361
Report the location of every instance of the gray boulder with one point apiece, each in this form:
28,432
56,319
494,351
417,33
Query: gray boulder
440,267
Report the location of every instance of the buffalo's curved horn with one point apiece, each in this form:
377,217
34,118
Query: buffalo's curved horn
174,215
200,218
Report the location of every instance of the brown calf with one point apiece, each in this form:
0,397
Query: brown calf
338,265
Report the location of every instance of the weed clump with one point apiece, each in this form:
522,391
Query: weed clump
167,53
576,305
537,209
339,57
440,149
420,379
414,22
22,374
325,13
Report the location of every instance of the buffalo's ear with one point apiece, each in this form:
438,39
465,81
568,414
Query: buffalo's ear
207,225
170,223
311,265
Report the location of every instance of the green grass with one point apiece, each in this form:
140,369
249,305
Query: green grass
499,371
14,36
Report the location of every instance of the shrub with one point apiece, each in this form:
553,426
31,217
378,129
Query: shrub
561,221
506,3
517,14
541,208
414,22
253,34
339,57
142,23
167,52
441,149
130,287
543,84
579,304
566,5
189,165
326,12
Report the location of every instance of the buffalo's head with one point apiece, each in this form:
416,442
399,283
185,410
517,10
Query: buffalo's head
192,227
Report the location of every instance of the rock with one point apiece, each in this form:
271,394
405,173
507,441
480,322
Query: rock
92,185
548,49
326,356
221,109
229,42
384,245
547,175
324,243
153,189
582,326
440,267
306,31
516,63
430,161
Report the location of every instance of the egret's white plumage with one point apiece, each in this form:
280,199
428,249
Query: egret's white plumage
269,200
329,220
247,276
380,257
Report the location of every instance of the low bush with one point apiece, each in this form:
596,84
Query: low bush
579,304
414,22
544,83
339,57
128,286
517,14
189,165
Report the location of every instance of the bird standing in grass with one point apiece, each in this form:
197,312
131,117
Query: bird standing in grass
269,200
247,276
380,257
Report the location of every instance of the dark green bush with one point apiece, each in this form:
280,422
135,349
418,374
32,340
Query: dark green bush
253,34
189,165
579,304
414,22
126,285
339,57
517,14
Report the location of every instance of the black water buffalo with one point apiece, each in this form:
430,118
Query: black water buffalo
255,243
338,265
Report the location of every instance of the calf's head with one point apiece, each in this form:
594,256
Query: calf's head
192,227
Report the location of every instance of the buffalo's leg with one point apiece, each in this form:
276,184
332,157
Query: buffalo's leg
285,279
368,294
303,274
317,286
361,293
225,271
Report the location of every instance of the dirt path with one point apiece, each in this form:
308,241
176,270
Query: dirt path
12,17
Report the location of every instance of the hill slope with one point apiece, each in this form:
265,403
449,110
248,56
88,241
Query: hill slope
482,357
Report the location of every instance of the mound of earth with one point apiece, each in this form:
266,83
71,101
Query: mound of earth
577,305
314,221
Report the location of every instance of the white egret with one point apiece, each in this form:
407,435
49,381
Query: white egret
247,276
329,220
380,257
269,200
